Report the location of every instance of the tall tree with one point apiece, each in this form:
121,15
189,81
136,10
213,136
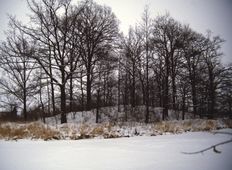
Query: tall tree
52,22
18,67
225,92
166,42
133,65
146,30
211,58
193,47
97,30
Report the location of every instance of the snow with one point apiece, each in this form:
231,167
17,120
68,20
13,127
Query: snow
111,114
136,153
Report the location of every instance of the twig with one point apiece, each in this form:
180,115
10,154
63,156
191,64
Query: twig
211,147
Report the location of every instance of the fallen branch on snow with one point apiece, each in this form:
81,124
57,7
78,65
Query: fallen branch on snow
213,146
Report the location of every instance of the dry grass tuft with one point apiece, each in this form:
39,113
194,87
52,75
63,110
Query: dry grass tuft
4,131
97,131
187,125
210,125
228,123
191,125
167,126
31,130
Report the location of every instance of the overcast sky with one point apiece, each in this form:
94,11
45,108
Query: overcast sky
201,15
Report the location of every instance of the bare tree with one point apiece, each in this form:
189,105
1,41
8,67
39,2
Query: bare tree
166,42
18,67
97,30
193,47
214,69
52,23
133,68
146,30
225,91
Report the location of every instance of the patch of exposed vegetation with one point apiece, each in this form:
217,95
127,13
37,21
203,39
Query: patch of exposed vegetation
37,130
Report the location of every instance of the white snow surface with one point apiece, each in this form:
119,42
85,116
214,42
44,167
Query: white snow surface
136,153
111,114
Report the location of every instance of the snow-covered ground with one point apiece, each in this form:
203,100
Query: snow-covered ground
136,153
111,114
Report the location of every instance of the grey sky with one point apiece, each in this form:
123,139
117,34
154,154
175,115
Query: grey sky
201,15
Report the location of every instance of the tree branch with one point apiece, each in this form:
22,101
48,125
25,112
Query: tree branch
213,146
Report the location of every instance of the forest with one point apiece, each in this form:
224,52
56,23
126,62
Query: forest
73,57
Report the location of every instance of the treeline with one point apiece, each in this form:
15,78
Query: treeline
72,57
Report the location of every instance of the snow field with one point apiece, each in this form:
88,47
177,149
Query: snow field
137,153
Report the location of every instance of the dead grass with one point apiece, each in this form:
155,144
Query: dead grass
103,130
167,126
191,125
37,130
97,131
43,132
4,131
228,122
187,125
208,125
32,130
84,129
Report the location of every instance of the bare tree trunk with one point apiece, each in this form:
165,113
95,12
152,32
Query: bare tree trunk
24,90
88,91
41,102
48,95
133,87
147,89
126,97
146,29
82,92
119,84
71,94
211,106
104,88
71,80
51,82
183,103
173,92
173,79
194,99
63,104
166,90
98,100
53,97
40,96
25,104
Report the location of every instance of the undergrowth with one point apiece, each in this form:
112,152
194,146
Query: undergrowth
38,130
14,131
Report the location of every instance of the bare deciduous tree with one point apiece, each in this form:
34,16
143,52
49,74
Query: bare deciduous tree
18,67
97,30
52,23
166,42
